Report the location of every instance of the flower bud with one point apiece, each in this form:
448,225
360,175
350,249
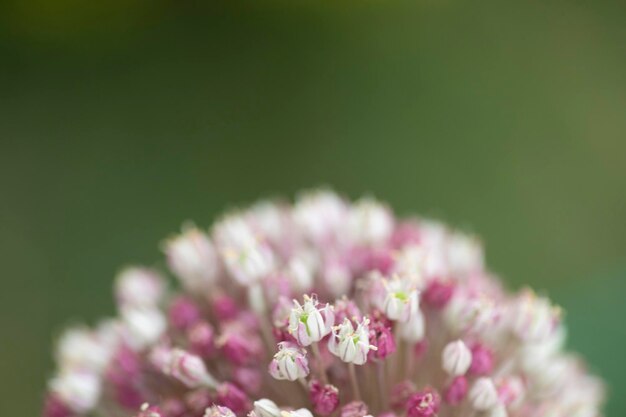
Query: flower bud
337,277
382,338
406,233
138,287
233,398
201,338
194,402
500,411
309,323
354,409
423,404
301,412
482,360
413,330
350,345
82,348
289,362
369,222
251,379
533,318
240,347
144,326
245,255
511,391
218,411
401,392
147,410
470,313
225,307
438,293
183,313
325,398
456,358
456,391
189,369
464,254
300,272
483,394
78,390
319,215
266,408
192,258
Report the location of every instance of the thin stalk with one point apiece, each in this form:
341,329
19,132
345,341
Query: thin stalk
381,381
320,363
354,382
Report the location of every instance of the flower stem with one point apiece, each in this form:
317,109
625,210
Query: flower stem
382,385
320,363
354,382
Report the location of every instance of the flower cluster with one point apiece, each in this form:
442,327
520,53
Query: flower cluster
321,307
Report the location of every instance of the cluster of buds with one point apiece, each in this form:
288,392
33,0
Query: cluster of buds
321,307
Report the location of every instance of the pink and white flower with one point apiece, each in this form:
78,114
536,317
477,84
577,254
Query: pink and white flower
442,336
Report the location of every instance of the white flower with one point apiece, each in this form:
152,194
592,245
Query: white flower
245,255
410,263
533,318
498,411
476,314
266,408
336,277
289,362
456,358
138,287
320,215
308,323
351,345
401,299
270,219
143,326
301,412
414,329
79,390
369,222
192,258
465,254
82,348
218,411
483,394
300,271
189,369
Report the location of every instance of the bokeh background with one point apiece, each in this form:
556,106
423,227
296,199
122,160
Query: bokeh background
121,119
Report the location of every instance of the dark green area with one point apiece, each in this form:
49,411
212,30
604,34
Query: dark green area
119,123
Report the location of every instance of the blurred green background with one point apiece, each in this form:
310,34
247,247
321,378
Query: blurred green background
121,119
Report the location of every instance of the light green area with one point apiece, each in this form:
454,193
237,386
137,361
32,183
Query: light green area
120,120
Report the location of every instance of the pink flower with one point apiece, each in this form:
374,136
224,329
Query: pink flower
183,313
354,409
423,404
232,397
482,360
325,398
309,323
382,338
456,391
438,293
289,362
413,296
